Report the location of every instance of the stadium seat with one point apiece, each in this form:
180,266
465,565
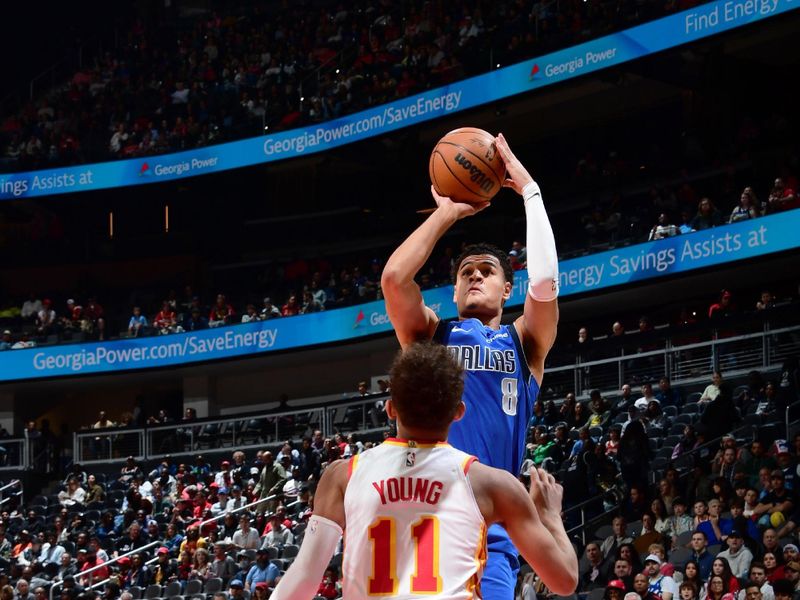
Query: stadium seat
684,419
654,443
676,429
136,592
680,556
152,591
694,397
670,411
634,529
272,552
714,550
603,532
597,594
289,552
174,588
193,586
213,585
278,563
691,407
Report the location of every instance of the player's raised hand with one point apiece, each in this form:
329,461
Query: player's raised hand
546,493
458,209
517,176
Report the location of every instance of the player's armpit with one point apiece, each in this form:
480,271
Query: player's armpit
503,499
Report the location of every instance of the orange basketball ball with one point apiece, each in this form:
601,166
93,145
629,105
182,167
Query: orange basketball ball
466,167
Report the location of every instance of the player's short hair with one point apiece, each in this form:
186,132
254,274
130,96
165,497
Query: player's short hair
426,386
483,248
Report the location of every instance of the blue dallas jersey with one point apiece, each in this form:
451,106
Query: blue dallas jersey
499,392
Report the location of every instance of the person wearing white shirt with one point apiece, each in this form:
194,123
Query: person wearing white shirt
647,397
663,586
279,536
246,538
31,307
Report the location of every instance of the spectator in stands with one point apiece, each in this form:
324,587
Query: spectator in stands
707,216
7,342
87,576
691,574
758,577
781,198
779,501
195,321
783,589
222,566
622,571
679,522
641,585
648,536
722,309
792,572
647,397
712,389
163,570
635,503
600,414
756,460
291,308
663,229
46,320
173,539
700,554
687,591
666,395
773,565
192,541
663,586
310,305
717,589
746,209
73,495
634,455
271,479
624,401
201,568
246,537
715,527
766,301
222,313
30,308
279,535
137,323
140,574
165,320
660,517
251,314
262,571
94,491
269,310
592,576
95,315
567,410
737,555
655,417
618,537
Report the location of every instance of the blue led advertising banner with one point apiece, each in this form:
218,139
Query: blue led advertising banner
599,271
687,26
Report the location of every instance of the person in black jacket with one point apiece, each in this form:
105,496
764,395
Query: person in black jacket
634,455
720,416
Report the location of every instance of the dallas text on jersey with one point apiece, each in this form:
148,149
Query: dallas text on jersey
478,358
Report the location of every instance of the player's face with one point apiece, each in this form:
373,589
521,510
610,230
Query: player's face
481,288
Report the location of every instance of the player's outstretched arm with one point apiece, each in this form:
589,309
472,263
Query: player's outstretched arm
321,537
538,535
412,320
538,323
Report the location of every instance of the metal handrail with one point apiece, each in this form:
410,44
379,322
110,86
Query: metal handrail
13,483
115,560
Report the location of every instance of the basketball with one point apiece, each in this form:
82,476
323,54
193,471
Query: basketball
466,167
777,519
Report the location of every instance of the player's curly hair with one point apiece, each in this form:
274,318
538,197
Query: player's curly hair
427,384
484,248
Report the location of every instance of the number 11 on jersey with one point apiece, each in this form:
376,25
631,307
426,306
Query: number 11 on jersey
425,579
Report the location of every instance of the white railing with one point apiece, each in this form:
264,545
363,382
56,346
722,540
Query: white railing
688,363
685,364
14,454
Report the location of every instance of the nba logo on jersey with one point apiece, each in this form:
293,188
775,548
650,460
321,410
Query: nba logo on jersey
411,458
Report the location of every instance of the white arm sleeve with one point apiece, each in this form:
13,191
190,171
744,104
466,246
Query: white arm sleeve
302,579
541,247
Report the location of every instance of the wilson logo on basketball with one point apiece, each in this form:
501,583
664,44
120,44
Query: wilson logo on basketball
475,173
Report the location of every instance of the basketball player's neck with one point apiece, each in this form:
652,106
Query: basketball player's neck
422,435
492,321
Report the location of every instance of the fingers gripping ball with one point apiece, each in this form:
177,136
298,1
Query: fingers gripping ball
466,167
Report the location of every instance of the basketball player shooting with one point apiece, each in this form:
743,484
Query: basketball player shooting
415,509
504,363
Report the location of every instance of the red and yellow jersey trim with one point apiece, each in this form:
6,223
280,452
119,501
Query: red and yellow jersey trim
415,443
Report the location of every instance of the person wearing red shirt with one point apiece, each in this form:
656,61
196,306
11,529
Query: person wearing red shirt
92,561
291,308
165,320
781,198
328,585
222,313
94,313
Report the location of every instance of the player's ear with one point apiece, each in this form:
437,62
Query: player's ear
462,408
391,412
507,290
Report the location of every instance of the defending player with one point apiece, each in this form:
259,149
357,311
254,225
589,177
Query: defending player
499,391
415,509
